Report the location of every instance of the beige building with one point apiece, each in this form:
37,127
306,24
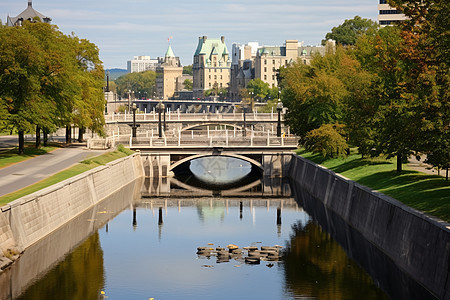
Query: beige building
264,62
388,15
29,14
211,67
169,75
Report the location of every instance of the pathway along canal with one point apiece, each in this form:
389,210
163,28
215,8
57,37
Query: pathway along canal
141,248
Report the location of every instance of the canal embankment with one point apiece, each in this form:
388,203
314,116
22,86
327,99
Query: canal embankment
418,244
27,220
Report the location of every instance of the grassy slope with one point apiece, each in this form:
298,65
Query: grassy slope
427,193
10,157
84,166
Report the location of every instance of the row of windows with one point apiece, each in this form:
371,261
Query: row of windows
265,77
273,69
388,22
383,2
215,76
273,62
389,12
220,84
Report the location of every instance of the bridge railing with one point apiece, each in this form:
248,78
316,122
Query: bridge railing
177,116
251,141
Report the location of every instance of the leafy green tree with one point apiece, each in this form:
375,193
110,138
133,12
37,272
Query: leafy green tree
348,32
258,88
426,41
21,61
141,84
188,84
313,93
187,70
48,79
328,140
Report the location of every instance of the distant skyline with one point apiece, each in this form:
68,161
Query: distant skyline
123,29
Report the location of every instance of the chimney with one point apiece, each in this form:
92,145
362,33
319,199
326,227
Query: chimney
204,39
223,39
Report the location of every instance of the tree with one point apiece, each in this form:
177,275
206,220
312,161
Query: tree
328,140
48,79
142,84
188,84
21,60
313,93
187,70
348,32
258,88
426,41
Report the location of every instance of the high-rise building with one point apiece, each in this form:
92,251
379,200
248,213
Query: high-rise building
29,14
388,15
142,64
211,67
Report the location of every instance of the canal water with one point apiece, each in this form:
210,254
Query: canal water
144,247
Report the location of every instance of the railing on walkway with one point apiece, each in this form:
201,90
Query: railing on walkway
177,116
199,138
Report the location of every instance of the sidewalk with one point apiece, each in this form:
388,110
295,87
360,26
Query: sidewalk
28,172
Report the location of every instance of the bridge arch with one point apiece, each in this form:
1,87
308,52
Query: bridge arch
242,157
190,127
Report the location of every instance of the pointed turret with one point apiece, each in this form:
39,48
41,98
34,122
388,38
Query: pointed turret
169,52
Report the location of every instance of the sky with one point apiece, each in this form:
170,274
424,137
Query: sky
124,29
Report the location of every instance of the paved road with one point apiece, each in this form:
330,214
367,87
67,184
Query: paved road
23,174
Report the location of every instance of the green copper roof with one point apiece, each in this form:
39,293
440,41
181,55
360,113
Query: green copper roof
208,47
169,52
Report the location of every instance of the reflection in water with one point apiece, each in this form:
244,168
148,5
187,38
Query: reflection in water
140,262
383,270
79,276
218,170
316,266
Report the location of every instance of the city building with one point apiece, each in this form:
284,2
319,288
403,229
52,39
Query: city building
29,14
253,61
388,15
142,64
211,67
169,75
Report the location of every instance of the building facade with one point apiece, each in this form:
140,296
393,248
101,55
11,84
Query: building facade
169,75
211,67
142,64
388,15
253,61
29,14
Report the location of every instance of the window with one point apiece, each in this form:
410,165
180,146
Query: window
220,76
265,77
265,69
215,76
383,2
389,12
209,76
304,61
386,22
273,61
210,84
265,61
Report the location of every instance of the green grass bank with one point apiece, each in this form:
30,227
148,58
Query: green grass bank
79,168
427,193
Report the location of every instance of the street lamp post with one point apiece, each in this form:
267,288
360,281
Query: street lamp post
279,109
134,120
244,108
160,108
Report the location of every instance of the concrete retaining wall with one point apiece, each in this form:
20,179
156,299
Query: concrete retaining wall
418,244
25,221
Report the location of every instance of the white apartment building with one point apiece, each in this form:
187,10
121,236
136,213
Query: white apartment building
142,63
388,15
